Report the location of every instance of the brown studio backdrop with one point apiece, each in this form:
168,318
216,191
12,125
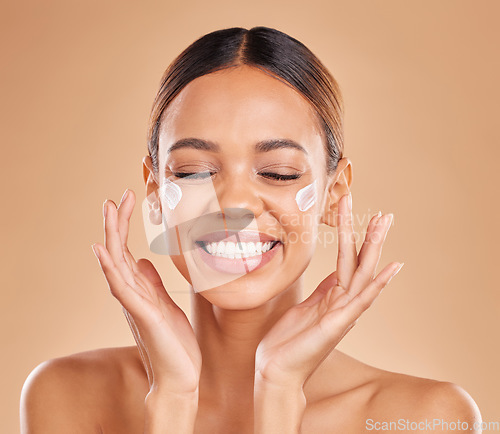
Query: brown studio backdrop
419,81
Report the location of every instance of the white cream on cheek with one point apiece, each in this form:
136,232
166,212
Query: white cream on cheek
172,193
306,197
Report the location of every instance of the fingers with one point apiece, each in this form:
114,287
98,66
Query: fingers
113,241
364,299
345,311
347,260
329,282
372,225
143,276
370,254
125,209
128,297
151,274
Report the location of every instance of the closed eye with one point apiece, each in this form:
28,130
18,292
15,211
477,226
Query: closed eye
280,176
193,175
268,175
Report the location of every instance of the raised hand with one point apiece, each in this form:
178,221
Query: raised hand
309,331
165,338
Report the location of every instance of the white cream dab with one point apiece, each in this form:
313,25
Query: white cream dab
171,192
306,197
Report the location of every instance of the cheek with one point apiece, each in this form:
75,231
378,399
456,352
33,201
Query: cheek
299,228
180,263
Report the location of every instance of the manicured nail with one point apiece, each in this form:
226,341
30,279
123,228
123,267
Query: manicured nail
390,219
396,271
349,200
124,197
105,208
96,252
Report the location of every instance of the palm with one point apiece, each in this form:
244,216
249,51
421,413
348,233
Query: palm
309,331
164,336
171,336
300,332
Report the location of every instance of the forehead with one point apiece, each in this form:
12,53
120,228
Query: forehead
242,104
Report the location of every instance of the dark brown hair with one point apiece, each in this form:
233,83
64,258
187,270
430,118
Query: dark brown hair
265,48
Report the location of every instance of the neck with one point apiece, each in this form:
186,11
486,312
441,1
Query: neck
228,340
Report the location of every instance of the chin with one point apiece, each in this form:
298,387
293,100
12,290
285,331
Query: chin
240,294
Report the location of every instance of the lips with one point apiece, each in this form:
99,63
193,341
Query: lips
237,252
236,236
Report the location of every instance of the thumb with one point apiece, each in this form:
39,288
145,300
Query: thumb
149,271
328,282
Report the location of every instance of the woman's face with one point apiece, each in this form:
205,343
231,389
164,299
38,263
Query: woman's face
255,173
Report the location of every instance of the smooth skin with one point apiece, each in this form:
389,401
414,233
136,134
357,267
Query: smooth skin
263,361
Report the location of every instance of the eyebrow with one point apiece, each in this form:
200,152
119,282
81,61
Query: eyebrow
271,145
190,142
262,146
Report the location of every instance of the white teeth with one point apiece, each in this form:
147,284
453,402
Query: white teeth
241,248
230,249
238,250
251,250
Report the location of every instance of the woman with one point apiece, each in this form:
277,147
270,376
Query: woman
245,162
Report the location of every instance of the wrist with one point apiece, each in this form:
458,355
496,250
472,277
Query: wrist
286,385
278,408
170,412
289,396
159,396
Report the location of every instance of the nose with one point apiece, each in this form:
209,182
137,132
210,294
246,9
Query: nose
239,199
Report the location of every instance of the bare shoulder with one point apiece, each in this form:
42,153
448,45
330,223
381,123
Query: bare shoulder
74,393
410,399
352,396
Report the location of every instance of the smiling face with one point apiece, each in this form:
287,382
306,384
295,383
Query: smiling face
242,141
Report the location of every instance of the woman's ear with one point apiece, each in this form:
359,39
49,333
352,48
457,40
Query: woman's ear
152,191
147,168
338,184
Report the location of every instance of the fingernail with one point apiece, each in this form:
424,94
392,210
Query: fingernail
124,197
390,219
96,252
105,208
396,271
349,200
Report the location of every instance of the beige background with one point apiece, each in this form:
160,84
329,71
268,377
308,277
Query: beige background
420,82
